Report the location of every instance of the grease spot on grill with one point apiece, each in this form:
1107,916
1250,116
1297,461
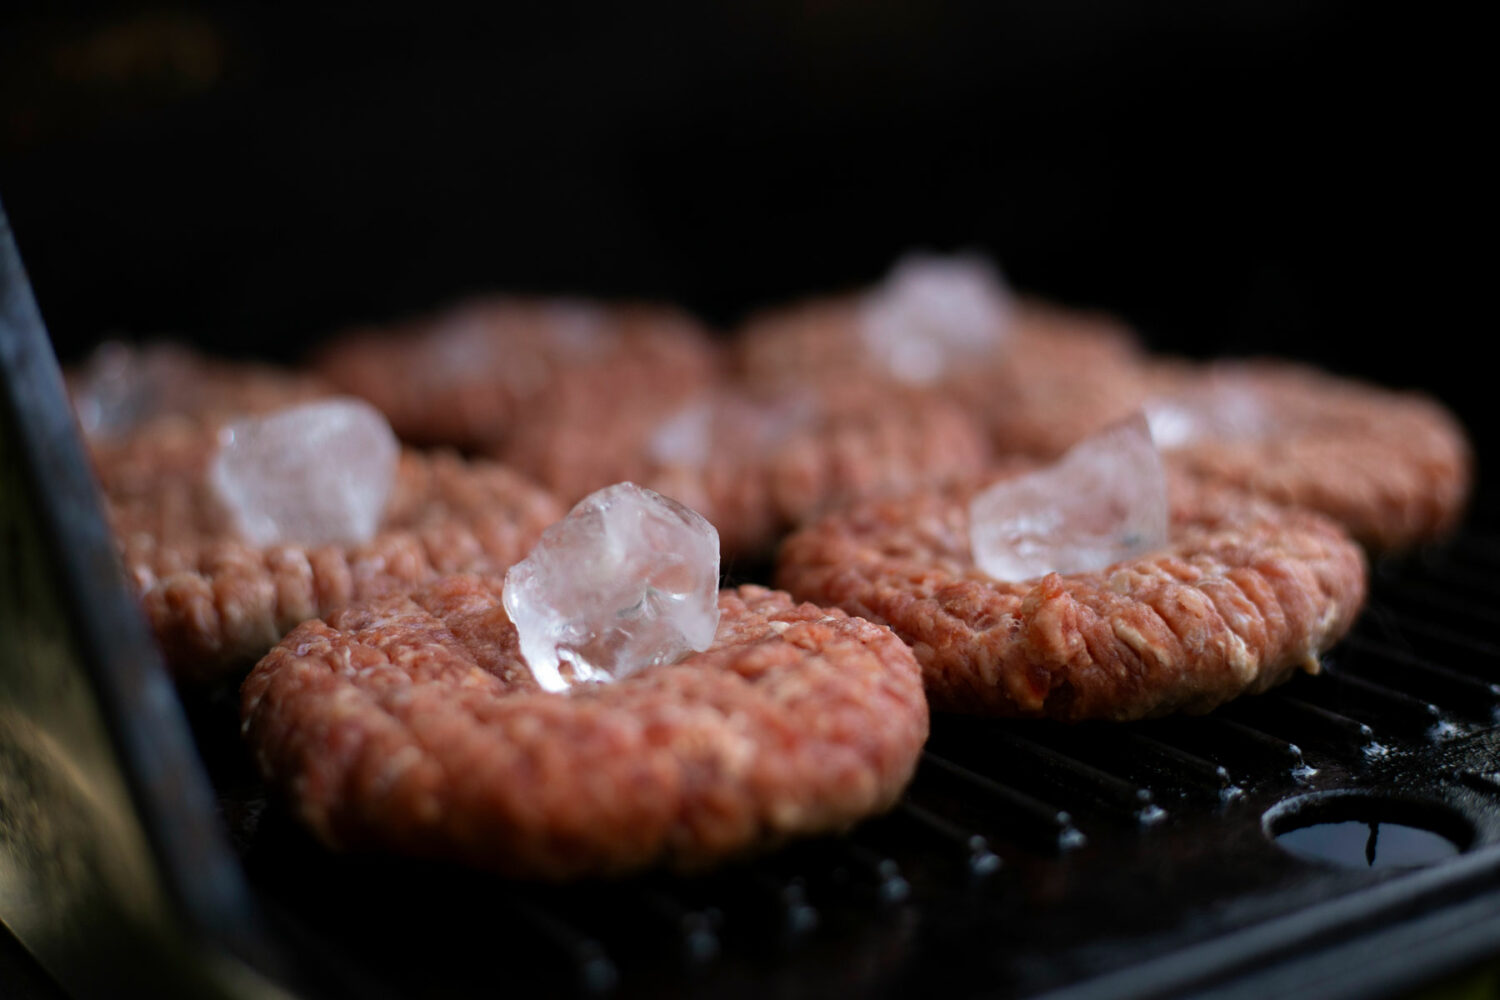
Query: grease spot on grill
1356,830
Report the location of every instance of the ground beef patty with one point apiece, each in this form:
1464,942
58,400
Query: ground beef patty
411,724
216,603
469,375
755,464
1060,375
1394,468
1244,594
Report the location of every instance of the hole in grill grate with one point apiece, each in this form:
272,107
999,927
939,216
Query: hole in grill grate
1358,830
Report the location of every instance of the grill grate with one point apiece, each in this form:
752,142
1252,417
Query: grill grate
1026,857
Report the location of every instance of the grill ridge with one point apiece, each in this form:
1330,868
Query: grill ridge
1112,795
1192,773
975,846
1342,689
1454,689
1029,818
1347,739
1022,832
1233,738
1429,600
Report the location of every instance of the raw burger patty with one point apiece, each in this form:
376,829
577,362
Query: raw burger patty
1244,594
1392,467
769,461
217,603
470,375
411,724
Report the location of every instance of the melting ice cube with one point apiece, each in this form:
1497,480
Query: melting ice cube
120,386
577,329
629,579
748,428
685,437
515,342
1216,409
317,474
1103,501
934,314
465,341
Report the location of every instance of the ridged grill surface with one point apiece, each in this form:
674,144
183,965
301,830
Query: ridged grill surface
1026,858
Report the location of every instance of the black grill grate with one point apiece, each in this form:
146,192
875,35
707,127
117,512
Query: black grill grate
1025,859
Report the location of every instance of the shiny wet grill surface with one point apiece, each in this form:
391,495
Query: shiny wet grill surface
1025,859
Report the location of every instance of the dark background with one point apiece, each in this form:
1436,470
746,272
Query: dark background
1264,176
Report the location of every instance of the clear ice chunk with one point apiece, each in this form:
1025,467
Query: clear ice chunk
685,437
1216,409
629,579
121,387
577,329
747,428
1102,502
932,315
316,474
466,341
515,341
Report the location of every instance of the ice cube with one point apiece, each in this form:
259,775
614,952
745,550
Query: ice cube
932,315
749,428
578,330
1102,502
121,387
629,579
516,342
1216,409
315,474
467,341
685,437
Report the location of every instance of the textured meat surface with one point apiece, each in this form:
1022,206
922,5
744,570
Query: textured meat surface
1394,468
467,377
1245,594
216,603
411,724
754,485
1061,375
